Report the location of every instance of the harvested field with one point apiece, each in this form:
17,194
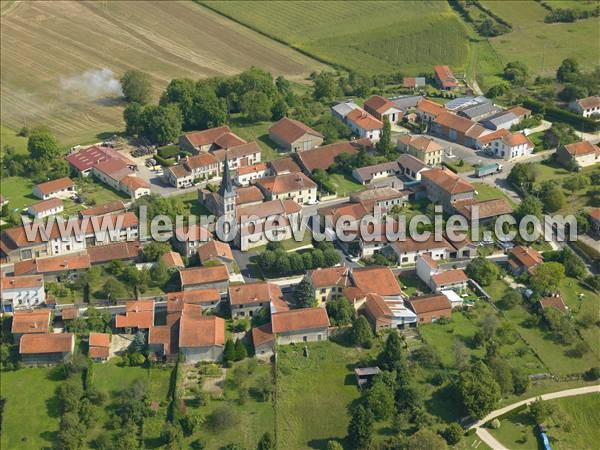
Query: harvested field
48,46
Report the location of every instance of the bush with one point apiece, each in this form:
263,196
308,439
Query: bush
168,151
494,424
592,374
222,418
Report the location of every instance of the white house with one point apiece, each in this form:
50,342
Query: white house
60,188
245,175
512,146
586,106
46,208
22,292
364,124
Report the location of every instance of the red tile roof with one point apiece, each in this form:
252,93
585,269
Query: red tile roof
206,137
429,303
134,183
138,314
23,282
203,275
526,256
377,308
420,143
364,120
46,205
69,313
589,102
449,277
379,280
215,249
248,194
53,264
110,252
237,152
512,140
323,157
286,164
289,182
330,276
254,168
487,208
410,245
99,339
88,157
176,300
32,344
172,259
259,292
59,184
114,168
379,104
299,319
196,330
431,108
106,208
35,321
582,148
595,214
445,76
98,352
290,130
263,334
448,181
554,302
426,257
519,111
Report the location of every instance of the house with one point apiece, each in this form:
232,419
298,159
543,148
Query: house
581,154
586,107
324,157
99,346
445,78
206,298
248,174
30,322
216,277
290,186
329,282
84,160
411,167
188,238
46,208
239,156
406,102
369,174
201,338
512,146
247,299
59,188
124,251
249,195
421,147
458,129
172,260
342,109
114,207
216,252
263,340
22,292
409,249
67,314
501,119
42,349
594,217
521,112
364,125
430,308
211,139
554,302
413,82
381,108
294,136
379,280
139,315
483,211
285,165
453,279
523,259
428,110
135,187
300,325
426,266
445,187
387,314
191,169
53,267
384,198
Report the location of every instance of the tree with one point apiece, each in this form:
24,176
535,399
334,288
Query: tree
521,176
72,432
304,293
502,374
511,298
139,342
162,124
256,106
154,250
461,354
520,381
229,351
384,145
325,86
482,270
160,273
361,333
425,439
379,399
42,145
574,266
172,436
546,277
340,311
453,433
516,73
207,110
334,445
552,197
360,428
478,390
133,115
222,418
568,70
392,354
497,90
540,410
240,350
266,442
331,256
279,109
136,86
530,206
576,182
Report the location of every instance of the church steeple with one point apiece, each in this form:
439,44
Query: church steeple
227,194
226,189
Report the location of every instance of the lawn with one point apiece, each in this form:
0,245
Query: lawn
412,285
17,190
344,184
487,192
259,132
9,138
51,53
407,36
313,393
32,412
575,424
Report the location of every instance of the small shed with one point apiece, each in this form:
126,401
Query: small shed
365,375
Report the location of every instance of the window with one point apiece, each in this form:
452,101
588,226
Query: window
305,338
319,337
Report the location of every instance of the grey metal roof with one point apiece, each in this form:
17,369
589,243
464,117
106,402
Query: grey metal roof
466,101
344,108
406,101
480,110
503,117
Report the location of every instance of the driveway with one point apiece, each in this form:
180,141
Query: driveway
486,437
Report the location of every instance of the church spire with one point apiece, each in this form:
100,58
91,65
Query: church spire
226,189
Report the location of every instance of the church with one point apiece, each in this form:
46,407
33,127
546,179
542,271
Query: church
256,219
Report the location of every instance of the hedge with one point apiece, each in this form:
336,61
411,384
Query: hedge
168,151
162,161
553,113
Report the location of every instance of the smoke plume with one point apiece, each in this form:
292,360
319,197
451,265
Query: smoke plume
93,83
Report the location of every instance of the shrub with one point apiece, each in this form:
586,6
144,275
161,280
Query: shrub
495,424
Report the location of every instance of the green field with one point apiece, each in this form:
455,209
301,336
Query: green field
575,424
9,138
368,37
487,192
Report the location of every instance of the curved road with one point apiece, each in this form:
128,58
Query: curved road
486,437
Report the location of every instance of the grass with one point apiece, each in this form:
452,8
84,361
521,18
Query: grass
40,57
487,192
9,138
412,284
17,190
368,37
344,184
313,393
30,397
575,424
259,132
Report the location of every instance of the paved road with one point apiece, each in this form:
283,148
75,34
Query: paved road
486,437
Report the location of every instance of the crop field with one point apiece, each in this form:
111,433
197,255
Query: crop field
542,46
368,37
60,60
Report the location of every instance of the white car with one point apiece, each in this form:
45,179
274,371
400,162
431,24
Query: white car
313,202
